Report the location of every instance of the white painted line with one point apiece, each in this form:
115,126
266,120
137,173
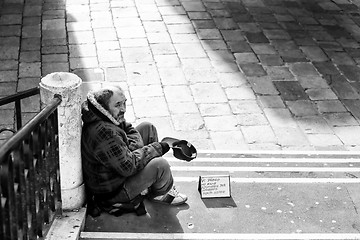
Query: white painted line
263,169
278,180
281,153
218,236
275,160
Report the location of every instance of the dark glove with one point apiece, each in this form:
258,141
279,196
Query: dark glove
164,147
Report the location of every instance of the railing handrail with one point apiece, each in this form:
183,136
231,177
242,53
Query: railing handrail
20,95
30,126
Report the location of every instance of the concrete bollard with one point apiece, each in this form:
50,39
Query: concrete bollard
69,117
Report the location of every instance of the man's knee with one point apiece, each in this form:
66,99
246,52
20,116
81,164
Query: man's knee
159,163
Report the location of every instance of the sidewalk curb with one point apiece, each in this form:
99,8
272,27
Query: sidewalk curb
68,226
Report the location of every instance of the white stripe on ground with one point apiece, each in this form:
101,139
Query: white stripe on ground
275,160
218,236
263,169
278,180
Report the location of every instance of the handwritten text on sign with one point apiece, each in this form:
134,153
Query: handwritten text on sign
214,186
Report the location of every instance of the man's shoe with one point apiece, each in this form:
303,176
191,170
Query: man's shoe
172,197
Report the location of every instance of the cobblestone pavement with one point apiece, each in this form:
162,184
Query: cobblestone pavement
224,74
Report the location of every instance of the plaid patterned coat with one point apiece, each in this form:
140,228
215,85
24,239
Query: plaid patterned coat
111,153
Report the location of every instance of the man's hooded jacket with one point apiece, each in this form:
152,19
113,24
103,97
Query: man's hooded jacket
111,151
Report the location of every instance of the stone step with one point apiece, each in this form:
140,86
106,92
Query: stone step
273,196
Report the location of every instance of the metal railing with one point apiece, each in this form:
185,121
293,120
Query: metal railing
17,99
30,194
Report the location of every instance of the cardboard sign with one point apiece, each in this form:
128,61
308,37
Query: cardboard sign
214,186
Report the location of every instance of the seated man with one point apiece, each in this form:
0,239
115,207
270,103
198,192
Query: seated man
122,164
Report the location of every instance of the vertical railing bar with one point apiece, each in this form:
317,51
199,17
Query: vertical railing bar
18,114
22,190
13,220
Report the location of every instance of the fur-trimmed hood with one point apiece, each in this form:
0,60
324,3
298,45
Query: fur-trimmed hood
92,111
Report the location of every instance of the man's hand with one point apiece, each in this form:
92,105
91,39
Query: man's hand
164,147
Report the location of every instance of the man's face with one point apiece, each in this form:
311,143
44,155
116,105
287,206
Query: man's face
117,105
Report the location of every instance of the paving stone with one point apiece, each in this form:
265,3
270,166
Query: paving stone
321,94
314,124
195,64
9,52
330,46
351,72
264,18
340,119
343,88
7,88
8,118
263,48
150,107
257,37
245,107
291,56
8,76
303,69
219,13
330,106
323,139
187,122
242,58
180,93
54,42
312,82
55,67
182,107
82,50
228,140
175,19
271,101
138,54
145,91
341,58
251,119
263,86
142,73
213,44
290,136
301,108
243,18
231,79
83,62
206,34
9,31
190,50
167,60
53,58
284,45
8,65
214,109
10,19
326,68
225,23
204,24
90,75
225,67
258,134
276,34
172,76
270,59
314,53
193,6
220,55
242,93
199,15
30,69
200,75
239,46
54,49
279,72
208,93
252,69
227,123
290,90
232,35
162,48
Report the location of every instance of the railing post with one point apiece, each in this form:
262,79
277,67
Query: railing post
69,123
